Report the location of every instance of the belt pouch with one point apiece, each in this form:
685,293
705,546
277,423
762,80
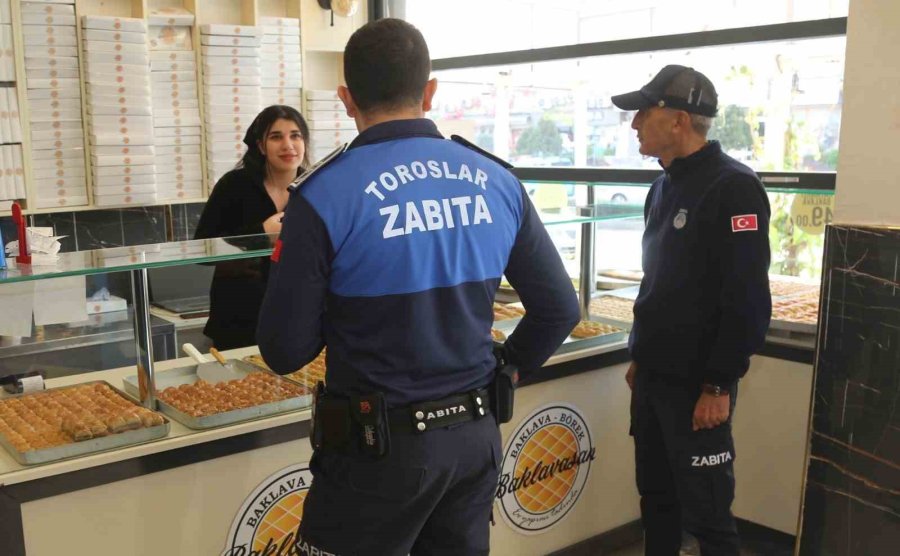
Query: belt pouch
369,411
331,422
503,392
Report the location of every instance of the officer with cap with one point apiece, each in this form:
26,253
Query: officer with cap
391,253
702,311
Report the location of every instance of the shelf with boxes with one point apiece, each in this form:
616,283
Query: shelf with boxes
142,102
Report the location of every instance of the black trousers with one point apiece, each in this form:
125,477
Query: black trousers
685,478
432,494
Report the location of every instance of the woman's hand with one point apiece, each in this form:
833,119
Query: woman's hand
272,225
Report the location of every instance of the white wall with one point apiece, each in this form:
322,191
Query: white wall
868,190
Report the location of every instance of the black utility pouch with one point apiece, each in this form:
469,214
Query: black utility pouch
331,421
503,393
369,412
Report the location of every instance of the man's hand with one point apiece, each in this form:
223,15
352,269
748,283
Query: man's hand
629,375
711,411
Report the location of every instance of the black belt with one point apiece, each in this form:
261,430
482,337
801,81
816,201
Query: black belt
422,417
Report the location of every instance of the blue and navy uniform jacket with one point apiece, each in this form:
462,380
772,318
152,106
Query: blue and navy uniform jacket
391,254
704,303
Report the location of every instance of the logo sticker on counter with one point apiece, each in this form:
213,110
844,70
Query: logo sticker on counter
545,467
269,519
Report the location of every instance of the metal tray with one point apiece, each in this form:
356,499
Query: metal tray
571,343
188,375
94,445
793,326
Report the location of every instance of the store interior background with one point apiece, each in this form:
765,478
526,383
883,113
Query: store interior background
822,108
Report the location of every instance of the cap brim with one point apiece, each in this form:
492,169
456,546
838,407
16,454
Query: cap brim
634,100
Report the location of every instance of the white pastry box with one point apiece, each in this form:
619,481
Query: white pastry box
124,89
48,31
130,101
125,179
232,30
117,79
327,125
230,51
178,149
286,23
47,8
127,24
68,182
281,51
53,172
118,160
179,121
227,69
122,138
56,114
51,40
172,103
125,170
117,109
92,36
170,37
54,144
52,51
187,131
107,150
51,62
39,94
176,113
128,199
96,47
286,39
175,141
168,16
115,69
55,202
228,96
324,105
172,56
243,120
184,76
42,130
229,110
61,19
129,188
51,73
73,133
173,65
232,80
221,40
213,130
173,91
54,83
113,122
113,57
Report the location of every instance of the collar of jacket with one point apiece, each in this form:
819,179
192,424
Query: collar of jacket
396,129
686,165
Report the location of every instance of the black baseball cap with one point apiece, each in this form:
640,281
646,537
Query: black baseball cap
678,87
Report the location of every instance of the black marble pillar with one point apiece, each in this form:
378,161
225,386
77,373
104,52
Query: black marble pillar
851,500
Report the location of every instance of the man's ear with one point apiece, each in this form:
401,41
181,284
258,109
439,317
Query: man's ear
430,90
345,96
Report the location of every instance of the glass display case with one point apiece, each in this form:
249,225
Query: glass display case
597,228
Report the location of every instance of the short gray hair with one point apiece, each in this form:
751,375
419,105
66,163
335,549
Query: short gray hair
701,124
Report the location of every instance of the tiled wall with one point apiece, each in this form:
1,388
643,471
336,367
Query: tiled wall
97,229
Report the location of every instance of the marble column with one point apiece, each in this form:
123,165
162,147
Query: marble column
852,489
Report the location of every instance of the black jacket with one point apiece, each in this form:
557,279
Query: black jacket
238,205
704,303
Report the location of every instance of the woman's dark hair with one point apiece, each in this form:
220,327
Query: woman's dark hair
254,160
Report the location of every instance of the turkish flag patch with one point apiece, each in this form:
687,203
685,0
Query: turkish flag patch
744,223
276,252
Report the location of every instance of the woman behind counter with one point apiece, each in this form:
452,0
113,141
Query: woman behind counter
250,200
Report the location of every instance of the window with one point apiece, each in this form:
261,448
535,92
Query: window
467,27
780,105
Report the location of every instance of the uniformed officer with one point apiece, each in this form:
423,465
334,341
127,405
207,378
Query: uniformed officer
702,310
391,253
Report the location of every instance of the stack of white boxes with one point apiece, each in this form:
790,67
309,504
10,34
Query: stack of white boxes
176,109
54,99
117,79
281,77
231,92
12,180
329,125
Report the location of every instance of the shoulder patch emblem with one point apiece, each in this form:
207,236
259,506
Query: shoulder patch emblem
744,223
479,150
328,159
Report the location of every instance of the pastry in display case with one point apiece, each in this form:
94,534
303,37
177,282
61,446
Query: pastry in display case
507,311
590,329
65,422
309,375
613,307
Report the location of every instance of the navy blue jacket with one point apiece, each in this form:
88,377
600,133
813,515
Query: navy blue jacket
704,303
391,254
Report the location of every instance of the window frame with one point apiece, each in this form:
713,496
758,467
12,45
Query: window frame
799,30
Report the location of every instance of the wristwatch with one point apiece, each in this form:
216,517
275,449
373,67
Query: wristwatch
714,390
